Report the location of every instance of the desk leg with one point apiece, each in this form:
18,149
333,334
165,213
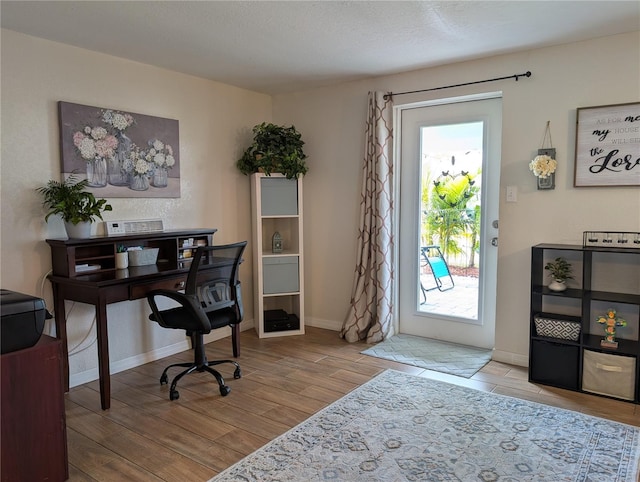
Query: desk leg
61,331
103,354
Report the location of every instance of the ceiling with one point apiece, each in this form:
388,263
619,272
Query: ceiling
286,46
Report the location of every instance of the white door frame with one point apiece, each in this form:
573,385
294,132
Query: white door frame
398,110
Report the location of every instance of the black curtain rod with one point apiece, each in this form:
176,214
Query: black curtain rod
516,76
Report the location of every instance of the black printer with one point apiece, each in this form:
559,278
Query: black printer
22,320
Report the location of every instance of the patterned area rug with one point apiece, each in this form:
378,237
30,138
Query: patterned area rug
399,427
435,355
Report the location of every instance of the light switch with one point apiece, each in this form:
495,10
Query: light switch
512,194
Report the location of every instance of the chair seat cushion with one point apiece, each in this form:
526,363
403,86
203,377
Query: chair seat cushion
178,319
223,317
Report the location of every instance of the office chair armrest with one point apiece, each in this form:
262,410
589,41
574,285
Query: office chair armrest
189,303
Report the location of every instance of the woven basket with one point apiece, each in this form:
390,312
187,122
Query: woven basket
564,330
143,257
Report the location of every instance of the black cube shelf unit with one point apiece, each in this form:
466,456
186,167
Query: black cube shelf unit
605,277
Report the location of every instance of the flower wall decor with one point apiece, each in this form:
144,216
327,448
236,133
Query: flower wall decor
122,154
544,165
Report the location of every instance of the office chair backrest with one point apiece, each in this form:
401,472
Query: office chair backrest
215,288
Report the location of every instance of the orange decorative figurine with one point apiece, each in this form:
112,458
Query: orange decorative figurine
610,321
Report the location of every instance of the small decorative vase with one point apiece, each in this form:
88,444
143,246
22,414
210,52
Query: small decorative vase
78,231
548,182
122,260
556,285
97,172
117,174
139,183
160,177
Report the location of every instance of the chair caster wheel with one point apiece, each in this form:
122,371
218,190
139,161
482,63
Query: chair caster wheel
237,373
164,379
224,390
174,395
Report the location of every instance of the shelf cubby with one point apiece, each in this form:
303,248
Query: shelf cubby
604,278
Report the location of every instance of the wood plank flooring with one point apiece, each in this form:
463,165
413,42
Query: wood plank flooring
146,437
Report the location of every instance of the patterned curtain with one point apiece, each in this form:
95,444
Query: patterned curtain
371,312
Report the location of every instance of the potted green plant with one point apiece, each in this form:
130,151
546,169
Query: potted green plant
274,149
560,271
77,207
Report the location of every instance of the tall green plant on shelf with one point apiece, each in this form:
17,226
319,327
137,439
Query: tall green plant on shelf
274,149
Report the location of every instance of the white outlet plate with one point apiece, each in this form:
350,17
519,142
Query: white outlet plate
122,228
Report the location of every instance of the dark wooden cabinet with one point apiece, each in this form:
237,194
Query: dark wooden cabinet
604,278
34,436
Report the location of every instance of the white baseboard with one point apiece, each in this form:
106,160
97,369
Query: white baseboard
320,323
162,352
510,358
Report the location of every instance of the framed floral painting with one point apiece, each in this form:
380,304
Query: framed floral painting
122,154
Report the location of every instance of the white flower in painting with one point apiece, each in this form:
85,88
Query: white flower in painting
97,143
127,166
141,167
87,148
136,164
159,159
118,120
160,154
543,166
98,133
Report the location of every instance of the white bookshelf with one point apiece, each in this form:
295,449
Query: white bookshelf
278,276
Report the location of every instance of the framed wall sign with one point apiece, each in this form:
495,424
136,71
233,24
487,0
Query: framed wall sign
608,145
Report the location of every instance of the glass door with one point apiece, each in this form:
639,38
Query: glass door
449,192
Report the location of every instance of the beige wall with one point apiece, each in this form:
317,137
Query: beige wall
597,72
214,122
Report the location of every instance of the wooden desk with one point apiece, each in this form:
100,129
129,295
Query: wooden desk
106,285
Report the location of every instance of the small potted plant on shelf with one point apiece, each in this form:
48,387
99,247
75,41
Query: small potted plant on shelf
274,149
77,207
560,271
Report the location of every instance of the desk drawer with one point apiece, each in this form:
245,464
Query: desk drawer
140,290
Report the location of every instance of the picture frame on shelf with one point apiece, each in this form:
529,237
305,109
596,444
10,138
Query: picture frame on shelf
608,146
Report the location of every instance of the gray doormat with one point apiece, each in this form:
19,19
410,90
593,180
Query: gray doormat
436,355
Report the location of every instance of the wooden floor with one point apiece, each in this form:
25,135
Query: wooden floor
144,436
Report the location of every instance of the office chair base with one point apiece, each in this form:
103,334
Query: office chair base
204,367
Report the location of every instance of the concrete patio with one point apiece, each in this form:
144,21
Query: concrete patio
460,301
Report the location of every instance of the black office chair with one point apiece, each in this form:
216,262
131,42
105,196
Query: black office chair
211,300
